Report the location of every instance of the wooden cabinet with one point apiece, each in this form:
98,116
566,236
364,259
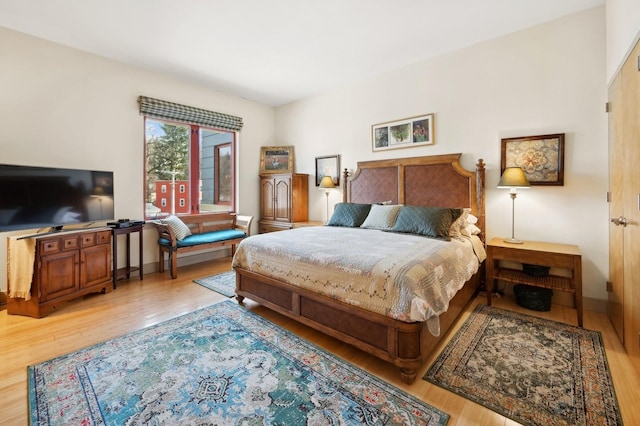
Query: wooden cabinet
562,256
67,265
284,200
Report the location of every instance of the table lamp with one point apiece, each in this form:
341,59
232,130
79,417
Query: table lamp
513,178
327,183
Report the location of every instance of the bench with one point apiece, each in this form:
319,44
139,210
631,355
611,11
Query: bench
198,232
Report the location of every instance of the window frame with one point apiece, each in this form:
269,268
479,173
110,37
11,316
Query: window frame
194,165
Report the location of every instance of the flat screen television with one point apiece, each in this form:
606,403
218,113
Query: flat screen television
40,197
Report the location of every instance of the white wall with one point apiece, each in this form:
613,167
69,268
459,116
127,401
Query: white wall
67,108
623,31
546,79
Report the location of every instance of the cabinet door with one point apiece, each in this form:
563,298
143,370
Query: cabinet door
267,199
283,199
58,275
95,265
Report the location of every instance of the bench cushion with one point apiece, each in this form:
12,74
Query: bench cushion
207,237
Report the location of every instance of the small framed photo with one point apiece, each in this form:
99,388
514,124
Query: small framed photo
541,158
276,159
328,166
405,133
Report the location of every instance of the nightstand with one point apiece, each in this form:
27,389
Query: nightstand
564,256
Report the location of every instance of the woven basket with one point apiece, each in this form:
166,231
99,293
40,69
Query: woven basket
534,298
535,270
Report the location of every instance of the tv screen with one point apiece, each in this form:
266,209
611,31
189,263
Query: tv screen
39,197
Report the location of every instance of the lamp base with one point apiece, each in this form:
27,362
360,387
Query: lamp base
512,241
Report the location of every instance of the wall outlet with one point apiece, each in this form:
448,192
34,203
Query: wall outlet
609,286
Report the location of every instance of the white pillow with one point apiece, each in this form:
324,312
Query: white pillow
381,216
179,228
470,230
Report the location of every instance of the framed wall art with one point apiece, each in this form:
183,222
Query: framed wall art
276,159
328,166
405,133
541,158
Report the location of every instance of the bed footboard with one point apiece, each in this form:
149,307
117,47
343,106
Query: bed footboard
405,345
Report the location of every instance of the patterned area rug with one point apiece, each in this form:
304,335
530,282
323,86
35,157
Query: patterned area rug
224,283
534,371
220,365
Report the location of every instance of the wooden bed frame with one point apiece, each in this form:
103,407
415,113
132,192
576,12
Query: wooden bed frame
425,181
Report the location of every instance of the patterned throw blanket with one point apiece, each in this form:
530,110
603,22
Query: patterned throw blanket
402,276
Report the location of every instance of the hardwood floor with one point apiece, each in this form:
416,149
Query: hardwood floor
137,304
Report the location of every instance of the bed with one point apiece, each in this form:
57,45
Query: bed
406,333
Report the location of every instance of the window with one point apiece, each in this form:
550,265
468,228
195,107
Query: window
192,166
189,158
223,172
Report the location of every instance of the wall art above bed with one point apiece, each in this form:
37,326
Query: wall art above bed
404,133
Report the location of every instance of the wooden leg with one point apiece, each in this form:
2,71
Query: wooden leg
408,375
174,264
160,260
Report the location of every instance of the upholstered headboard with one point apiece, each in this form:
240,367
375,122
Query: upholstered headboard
436,181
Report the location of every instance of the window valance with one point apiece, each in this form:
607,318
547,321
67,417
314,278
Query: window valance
165,110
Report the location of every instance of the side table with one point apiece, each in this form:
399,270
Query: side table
565,256
128,269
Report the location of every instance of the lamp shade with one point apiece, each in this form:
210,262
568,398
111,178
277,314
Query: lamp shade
513,177
327,182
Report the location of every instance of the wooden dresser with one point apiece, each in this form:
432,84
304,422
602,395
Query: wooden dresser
284,200
67,265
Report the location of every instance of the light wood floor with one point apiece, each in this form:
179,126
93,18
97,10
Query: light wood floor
136,304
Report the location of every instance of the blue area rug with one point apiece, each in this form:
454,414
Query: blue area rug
224,283
220,365
532,370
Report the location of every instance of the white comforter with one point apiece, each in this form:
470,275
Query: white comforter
405,277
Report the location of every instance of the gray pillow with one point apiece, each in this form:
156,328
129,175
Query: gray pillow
432,222
349,214
381,217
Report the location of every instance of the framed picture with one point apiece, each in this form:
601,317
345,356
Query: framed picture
276,159
541,158
405,133
328,166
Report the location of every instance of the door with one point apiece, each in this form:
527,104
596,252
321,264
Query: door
624,250
267,199
631,197
58,275
283,199
615,286
95,265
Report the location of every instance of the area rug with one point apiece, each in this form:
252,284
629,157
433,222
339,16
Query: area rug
220,365
532,370
224,283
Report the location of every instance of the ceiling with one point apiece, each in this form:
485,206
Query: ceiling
276,51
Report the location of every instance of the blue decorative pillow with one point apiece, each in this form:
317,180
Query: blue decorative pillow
349,214
432,222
